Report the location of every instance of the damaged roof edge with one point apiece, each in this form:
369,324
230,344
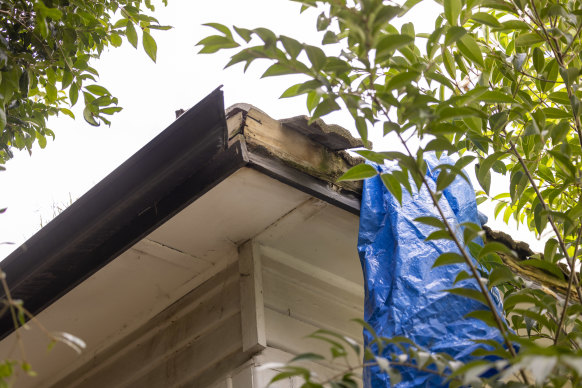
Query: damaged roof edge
178,166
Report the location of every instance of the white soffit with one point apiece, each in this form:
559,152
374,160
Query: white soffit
181,254
155,272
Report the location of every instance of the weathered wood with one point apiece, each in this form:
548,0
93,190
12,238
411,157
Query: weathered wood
251,297
234,124
266,135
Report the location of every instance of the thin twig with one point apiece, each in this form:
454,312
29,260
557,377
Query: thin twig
573,40
12,308
570,281
546,209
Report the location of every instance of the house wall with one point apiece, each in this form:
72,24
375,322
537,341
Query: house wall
188,344
301,298
298,275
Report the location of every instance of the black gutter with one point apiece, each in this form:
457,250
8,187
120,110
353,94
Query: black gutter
173,170
125,206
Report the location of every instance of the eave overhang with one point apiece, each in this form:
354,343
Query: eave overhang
195,153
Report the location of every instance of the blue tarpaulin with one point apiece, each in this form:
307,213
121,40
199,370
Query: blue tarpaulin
404,294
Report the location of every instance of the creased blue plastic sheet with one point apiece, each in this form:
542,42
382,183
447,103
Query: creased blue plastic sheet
404,294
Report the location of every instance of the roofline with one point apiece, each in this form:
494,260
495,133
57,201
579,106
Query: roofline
177,167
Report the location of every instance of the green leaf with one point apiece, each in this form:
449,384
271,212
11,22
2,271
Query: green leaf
560,98
326,106
550,249
131,34
362,128
149,45
439,235
551,268
447,259
401,79
42,25
316,56
528,39
468,293
513,25
485,18
67,79
555,113
89,117
301,88
463,275
97,90
65,111
390,127
115,40
468,47
220,27
322,22
538,59
73,94
329,38
485,167
307,356
391,42
569,75
432,221
111,110
313,98
500,275
495,97
454,34
51,92
2,119
452,10
484,316
408,29
278,69
444,179
449,62
393,185
440,144
53,13
448,113
564,163
359,172
440,79
267,36
243,33
498,120
292,46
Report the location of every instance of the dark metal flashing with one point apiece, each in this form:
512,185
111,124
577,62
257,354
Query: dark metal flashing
177,167
317,188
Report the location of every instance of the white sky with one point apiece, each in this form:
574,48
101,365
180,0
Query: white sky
34,186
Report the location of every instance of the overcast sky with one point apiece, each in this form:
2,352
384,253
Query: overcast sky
34,187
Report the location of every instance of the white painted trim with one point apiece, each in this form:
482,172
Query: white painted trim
251,298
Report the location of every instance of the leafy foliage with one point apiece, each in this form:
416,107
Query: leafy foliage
45,51
46,47
496,84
